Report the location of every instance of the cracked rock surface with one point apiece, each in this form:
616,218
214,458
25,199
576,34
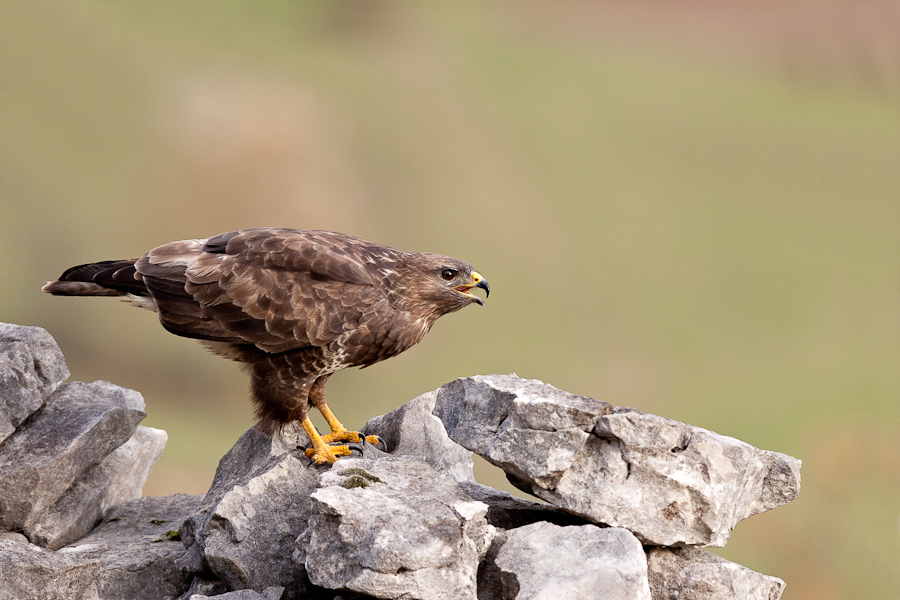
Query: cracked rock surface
134,549
543,561
394,528
258,504
79,425
117,478
413,431
701,575
31,368
629,497
667,482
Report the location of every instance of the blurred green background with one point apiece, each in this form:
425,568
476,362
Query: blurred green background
690,209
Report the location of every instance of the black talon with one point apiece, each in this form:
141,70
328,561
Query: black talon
357,447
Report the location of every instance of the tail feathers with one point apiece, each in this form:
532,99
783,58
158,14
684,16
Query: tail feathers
106,278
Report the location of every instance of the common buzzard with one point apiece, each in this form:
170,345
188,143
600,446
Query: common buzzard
294,305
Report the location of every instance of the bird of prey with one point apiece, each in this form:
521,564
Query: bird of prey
294,305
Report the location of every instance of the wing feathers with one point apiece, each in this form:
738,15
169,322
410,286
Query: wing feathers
279,289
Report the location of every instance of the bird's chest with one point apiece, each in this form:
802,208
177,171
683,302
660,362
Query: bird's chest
376,339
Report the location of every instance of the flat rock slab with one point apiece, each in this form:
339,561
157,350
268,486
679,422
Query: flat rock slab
134,550
31,368
117,478
696,574
79,425
665,481
543,561
394,528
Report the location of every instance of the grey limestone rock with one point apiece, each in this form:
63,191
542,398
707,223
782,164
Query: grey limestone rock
133,551
272,593
201,586
666,482
117,478
695,574
29,572
543,561
394,528
31,368
258,504
79,425
14,536
413,431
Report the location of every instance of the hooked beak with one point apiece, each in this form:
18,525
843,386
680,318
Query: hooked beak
477,282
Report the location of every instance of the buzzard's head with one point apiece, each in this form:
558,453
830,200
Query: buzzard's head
436,285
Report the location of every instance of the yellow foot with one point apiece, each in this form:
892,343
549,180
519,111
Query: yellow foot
345,435
327,454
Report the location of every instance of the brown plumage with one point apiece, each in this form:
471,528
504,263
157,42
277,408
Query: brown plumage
294,305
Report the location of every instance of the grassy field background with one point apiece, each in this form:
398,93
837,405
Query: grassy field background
693,210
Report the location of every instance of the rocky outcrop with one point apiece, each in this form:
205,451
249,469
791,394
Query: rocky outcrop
75,449
131,555
31,368
414,432
630,498
244,531
117,478
701,575
394,528
135,549
668,483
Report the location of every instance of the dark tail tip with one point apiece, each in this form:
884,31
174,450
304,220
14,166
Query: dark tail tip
106,278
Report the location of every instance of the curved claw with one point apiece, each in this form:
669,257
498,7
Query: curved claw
357,447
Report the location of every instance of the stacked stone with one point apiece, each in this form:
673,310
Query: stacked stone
631,498
70,454
646,481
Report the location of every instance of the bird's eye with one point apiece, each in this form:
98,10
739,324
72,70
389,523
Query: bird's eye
448,274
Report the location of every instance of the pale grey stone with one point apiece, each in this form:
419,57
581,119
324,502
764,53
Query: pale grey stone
134,551
394,528
14,536
117,478
31,368
414,432
79,425
531,430
543,561
272,593
667,482
30,572
245,528
694,574
201,586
